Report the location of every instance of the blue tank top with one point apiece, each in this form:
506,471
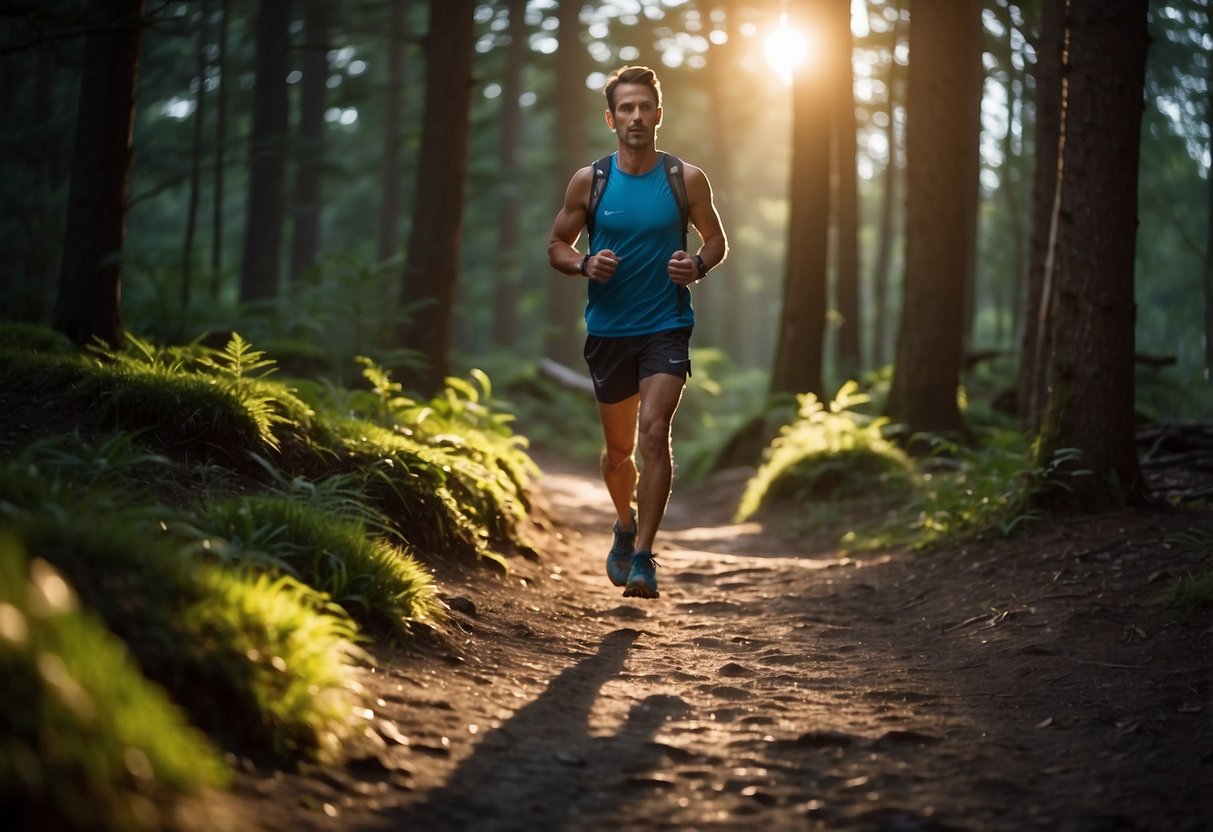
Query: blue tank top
637,219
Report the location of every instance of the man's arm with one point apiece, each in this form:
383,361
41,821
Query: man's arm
570,219
683,267
563,254
705,219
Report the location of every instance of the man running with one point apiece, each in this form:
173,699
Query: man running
638,316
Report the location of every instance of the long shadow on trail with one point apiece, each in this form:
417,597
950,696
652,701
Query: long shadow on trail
542,769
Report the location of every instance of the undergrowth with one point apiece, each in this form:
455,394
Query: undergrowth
238,538
85,740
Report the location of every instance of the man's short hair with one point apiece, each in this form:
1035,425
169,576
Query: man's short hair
631,75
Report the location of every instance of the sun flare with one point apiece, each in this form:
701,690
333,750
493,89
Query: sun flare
786,48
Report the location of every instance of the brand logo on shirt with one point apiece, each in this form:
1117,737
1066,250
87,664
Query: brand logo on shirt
607,213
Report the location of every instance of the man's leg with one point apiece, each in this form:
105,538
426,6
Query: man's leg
618,457
659,398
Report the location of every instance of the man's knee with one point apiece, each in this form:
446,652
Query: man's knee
616,456
654,438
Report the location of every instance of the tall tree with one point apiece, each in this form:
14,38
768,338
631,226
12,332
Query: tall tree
1209,215
800,344
1009,184
723,296
390,165
566,296
968,165
221,75
90,279
1034,335
944,45
432,266
262,258
191,209
846,181
889,199
1091,384
309,167
509,151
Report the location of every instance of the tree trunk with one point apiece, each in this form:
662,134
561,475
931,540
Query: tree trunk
390,171
721,301
90,280
889,200
267,163
432,266
973,87
566,295
1034,335
191,210
221,73
846,205
799,348
1209,226
309,165
505,313
1009,186
1091,393
943,46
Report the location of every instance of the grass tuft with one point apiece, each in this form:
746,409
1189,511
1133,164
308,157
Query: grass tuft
85,740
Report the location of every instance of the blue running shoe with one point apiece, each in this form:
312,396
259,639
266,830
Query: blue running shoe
619,561
642,580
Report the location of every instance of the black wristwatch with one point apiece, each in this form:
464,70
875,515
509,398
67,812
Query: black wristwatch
585,261
703,269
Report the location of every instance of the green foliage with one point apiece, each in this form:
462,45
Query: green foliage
1194,590
156,597
965,491
280,651
839,453
376,582
825,451
85,740
719,400
236,587
233,372
450,470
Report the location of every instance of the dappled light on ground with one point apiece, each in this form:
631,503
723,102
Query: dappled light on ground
1009,685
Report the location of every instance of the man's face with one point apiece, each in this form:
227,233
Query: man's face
636,116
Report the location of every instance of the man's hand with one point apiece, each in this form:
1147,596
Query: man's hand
601,266
683,269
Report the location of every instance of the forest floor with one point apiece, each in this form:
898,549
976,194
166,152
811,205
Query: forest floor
1036,682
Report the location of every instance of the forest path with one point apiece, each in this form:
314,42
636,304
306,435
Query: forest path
1010,687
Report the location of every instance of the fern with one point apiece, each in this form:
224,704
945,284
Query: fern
238,360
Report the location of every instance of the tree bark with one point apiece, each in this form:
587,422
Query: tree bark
846,204
90,280
1034,334
943,48
432,266
799,348
390,170
505,313
191,210
1009,184
1209,223
220,149
267,155
566,296
309,165
1091,394
888,202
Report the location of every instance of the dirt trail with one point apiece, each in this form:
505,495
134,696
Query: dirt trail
1025,684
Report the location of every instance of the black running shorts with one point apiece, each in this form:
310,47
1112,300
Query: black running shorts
618,364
